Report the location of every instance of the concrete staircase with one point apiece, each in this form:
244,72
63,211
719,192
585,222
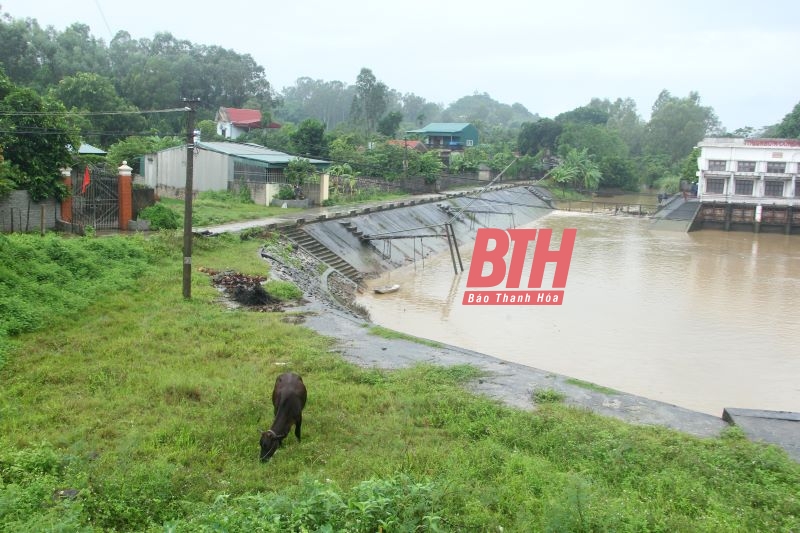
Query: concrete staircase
541,194
349,226
311,245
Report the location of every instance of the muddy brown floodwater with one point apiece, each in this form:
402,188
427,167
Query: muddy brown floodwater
703,320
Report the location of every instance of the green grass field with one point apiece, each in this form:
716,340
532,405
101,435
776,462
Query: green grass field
125,407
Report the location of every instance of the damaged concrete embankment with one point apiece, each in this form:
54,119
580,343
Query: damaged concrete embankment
502,208
514,384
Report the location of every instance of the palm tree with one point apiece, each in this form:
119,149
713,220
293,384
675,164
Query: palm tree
579,170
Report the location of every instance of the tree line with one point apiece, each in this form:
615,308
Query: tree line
61,88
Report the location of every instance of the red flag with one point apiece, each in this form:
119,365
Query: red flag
86,180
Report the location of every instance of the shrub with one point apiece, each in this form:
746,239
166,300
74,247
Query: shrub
283,290
160,216
285,193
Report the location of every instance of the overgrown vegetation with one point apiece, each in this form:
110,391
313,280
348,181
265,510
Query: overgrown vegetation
42,277
591,386
140,412
283,290
160,216
387,333
548,396
219,207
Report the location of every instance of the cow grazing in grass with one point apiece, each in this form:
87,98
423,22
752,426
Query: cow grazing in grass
288,399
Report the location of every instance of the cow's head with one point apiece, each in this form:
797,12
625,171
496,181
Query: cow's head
270,442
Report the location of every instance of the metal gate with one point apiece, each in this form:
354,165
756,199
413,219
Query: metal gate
95,199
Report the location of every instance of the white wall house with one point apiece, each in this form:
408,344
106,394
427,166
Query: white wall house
749,171
233,122
226,166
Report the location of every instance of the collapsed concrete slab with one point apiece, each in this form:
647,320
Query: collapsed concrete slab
774,427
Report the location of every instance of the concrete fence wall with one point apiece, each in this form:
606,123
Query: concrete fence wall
19,213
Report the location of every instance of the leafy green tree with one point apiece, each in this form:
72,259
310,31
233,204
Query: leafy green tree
390,123
742,133
299,170
132,149
591,114
208,130
92,93
387,161
328,102
578,170
535,137
21,50
527,167
619,172
480,107
677,125
344,149
77,50
607,150
35,137
369,102
309,139
277,139
500,161
417,110
652,168
9,176
789,127
430,166
625,121
689,166
468,161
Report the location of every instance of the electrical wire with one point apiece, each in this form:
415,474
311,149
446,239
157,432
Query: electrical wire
88,113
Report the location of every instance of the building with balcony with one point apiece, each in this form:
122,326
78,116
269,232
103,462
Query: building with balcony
749,183
751,171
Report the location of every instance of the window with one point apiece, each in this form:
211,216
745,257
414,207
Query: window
745,166
715,185
773,188
797,189
776,168
716,165
744,187
469,142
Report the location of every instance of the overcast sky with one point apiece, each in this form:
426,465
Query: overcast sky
740,56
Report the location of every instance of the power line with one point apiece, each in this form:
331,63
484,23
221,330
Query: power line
88,113
53,131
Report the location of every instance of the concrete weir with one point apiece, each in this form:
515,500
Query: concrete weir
347,235
376,240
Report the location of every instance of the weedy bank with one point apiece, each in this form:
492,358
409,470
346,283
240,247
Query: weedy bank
125,407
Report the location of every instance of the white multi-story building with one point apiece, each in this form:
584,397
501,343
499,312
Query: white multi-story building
749,171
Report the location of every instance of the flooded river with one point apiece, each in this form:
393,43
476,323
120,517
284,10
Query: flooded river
704,320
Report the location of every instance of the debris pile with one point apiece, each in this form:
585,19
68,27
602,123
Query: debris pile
241,288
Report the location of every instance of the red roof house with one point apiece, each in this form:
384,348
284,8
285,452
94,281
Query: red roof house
232,122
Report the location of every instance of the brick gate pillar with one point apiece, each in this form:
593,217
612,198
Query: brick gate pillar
66,203
125,195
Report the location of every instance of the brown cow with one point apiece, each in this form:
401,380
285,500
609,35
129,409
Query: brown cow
288,399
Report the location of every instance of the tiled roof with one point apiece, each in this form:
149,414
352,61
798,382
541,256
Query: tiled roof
241,117
414,145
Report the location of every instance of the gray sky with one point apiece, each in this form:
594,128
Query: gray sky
550,57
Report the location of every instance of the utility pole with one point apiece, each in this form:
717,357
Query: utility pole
187,194
405,156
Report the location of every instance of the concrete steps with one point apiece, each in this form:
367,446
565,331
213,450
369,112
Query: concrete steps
349,226
311,245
